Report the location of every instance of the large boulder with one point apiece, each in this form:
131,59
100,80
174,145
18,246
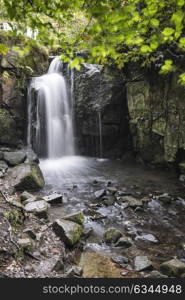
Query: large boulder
26,176
14,158
68,231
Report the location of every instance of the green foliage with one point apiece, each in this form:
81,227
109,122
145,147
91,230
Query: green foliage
109,31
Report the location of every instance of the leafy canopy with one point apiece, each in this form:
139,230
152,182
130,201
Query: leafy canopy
148,31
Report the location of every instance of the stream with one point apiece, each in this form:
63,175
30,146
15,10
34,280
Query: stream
96,187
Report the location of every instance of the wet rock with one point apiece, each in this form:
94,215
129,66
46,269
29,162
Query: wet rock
124,241
39,208
112,235
173,267
77,217
58,265
157,274
112,190
74,272
53,198
131,201
150,238
165,198
9,133
108,200
14,158
142,263
99,194
68,231
25,195
26,176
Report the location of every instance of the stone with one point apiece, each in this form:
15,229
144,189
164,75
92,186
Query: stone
132,202
39,208
99,194
3,167
32,199
150,238
77,217
109,200
156,274
173,267
14,158
120,260
25,243
112,235
68,231
112,190
124,241
1,155
142,263
25,195
74,272
26,176
182,178
165,198
54,198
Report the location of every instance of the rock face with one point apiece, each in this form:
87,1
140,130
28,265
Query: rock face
101,111
26,176
9,134
156,109
68,231
173,267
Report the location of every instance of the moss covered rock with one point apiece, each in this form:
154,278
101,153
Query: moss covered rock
26,176
173,267
68,231
112,235
76,217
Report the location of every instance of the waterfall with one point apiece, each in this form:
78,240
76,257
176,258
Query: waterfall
54,126
100,134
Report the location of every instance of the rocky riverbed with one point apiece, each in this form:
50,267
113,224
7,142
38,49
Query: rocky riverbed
115,219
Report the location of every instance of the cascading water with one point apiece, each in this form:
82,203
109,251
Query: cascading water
53,129
55,111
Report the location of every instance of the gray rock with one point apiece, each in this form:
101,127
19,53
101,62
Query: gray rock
173,267
14,158
124,241
142,263
108,200
53,198
77,217
182,178
37,207
165,198
99,194
1,155
112,235
68,231
150,238
3,167
32,199
24,243
131,201
26,176
120,260
25,195
157,274
30,232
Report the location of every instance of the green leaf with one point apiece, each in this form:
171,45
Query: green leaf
167,67
145,49
182,42
154,22
181,79
168,31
